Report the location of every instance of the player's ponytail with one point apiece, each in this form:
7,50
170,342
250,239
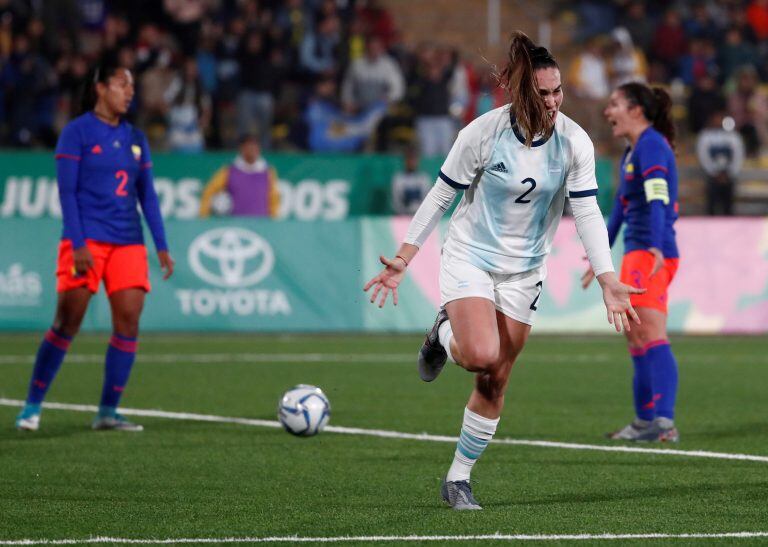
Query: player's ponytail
656,105
528,110
662,122
99,74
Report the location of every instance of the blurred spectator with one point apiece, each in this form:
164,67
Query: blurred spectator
378,22
748,105
373,78
589,71
705,98
261,71
700,61
430,97
153,84
228,82
588,78
640,26
189,111
597,17
669,41
626,63
735,53
409,186
700,24
186,16
28,87
720,150
485,95
332,130
319,49
246,187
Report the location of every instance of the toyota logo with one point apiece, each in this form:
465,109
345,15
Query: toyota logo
231,257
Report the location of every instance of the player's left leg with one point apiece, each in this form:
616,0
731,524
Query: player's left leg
126,307
127,281
664,374
482,414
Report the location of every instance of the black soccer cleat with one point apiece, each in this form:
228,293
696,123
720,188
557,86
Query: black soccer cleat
432,355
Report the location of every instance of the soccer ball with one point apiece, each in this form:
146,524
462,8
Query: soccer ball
304,410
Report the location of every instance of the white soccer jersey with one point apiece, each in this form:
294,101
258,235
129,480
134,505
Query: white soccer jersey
514,195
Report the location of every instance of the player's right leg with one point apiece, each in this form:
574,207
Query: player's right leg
70,310
465,330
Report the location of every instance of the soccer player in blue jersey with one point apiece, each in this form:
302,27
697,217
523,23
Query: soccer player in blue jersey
646,204
104,170
516,165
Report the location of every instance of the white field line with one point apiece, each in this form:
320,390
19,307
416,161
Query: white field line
352,358
387,434
369,539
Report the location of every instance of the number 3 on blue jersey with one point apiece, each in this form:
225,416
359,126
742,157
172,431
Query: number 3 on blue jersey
533,185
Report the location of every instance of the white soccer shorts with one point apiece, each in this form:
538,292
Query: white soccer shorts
514,295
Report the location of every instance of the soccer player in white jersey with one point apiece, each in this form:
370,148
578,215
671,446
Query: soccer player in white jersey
515,164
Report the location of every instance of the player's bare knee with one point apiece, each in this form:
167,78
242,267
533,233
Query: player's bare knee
480,358
126,324
67,325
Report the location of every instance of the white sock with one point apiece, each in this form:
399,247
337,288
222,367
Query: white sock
445,335
476,433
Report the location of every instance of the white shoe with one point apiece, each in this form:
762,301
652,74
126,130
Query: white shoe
115,423
29,418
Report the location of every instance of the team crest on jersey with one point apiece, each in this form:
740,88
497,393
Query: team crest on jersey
136,149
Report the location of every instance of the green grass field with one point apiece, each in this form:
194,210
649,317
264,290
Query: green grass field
183,478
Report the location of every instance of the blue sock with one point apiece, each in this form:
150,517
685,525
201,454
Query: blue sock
664,365
642,384
117,368
49,357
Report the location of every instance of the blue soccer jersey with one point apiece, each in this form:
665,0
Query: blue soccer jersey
103,172
646,200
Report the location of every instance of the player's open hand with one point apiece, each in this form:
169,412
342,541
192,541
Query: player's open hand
617,304
166,263
387,281
83,260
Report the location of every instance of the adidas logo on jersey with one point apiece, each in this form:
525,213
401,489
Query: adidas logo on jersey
500,167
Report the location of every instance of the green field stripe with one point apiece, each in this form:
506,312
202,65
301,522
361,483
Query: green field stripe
387,434
217,358
369,539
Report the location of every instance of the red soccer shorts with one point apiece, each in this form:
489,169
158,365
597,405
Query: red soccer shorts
636,268
120,266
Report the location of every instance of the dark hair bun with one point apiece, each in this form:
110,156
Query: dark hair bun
539,53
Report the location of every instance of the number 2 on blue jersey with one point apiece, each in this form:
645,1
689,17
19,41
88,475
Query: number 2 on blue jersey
122,176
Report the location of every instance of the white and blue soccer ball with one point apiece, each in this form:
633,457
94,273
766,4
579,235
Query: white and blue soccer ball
304,410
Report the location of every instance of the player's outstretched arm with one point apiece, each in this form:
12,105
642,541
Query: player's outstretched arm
616,299
393,273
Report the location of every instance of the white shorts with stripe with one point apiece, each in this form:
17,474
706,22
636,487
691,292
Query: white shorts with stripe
514,295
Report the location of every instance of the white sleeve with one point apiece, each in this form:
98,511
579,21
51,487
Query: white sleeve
431,210
593,233
464,160
582,193
581,181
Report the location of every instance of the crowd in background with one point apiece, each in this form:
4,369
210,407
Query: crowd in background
334,75
321,75
713,55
